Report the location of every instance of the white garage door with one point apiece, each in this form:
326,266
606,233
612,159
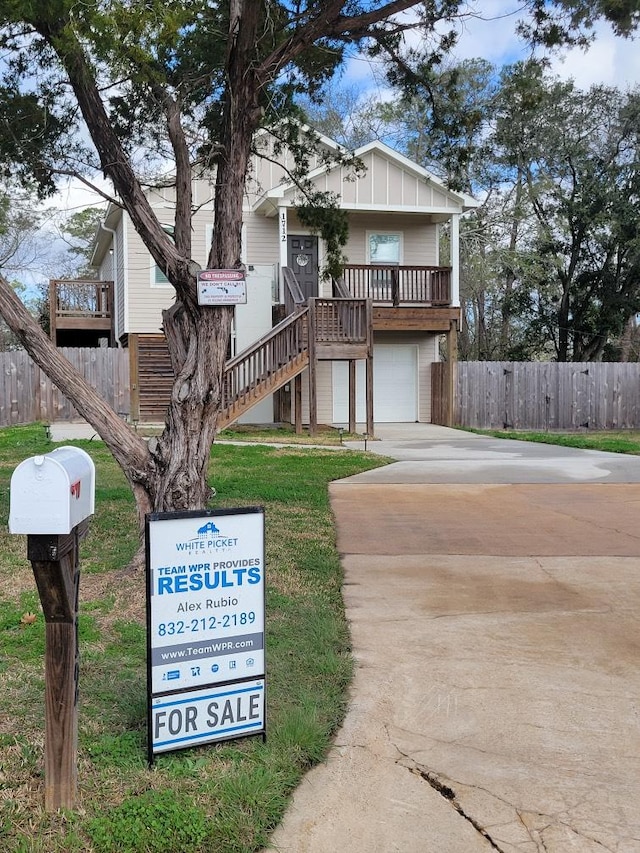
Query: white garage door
395,386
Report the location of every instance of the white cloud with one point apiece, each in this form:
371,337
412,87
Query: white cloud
74,195
610,60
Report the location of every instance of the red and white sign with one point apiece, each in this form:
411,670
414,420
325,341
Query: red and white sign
222,287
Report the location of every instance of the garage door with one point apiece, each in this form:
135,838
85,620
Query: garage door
395,386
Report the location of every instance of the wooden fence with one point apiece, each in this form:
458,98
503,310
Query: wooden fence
27,395
547,396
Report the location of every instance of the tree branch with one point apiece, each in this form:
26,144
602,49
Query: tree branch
184,191
71,173
113,158
329,23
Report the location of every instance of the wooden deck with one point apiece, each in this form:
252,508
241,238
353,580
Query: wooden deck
423,286
313,330
80,309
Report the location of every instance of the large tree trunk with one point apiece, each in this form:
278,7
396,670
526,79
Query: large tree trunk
197,341
198,337
171,474
563,322
510,275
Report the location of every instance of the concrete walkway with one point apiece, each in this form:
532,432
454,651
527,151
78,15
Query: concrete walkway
493,593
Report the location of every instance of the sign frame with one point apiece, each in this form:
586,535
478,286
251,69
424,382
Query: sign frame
222,287
205,602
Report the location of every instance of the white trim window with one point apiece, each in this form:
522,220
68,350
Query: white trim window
384,247
158,278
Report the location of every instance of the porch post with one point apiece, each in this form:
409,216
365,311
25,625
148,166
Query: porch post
452,353
283,232
352,395
297,396
455,260
369,392
313,367
53,305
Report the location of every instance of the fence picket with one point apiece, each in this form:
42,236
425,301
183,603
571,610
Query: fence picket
547,396
27,395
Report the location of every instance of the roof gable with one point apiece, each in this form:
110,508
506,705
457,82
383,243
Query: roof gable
389,181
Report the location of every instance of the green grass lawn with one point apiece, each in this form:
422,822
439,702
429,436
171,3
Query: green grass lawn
285,433
614,441
224,798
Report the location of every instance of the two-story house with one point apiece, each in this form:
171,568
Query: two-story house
368,341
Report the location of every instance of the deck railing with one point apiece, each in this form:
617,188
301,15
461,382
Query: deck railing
399,285
90,299
340,321
260,363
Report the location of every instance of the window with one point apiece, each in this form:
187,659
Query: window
383,249
159,278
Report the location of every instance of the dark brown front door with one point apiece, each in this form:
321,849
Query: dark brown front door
303,260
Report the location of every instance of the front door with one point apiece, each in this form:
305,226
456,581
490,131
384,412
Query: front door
302,254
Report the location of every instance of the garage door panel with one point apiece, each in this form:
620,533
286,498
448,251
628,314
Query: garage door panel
395,386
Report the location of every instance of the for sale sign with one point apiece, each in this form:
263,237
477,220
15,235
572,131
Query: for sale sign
198,717
205,608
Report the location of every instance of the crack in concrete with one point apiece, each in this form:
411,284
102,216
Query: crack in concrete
562,512
587,837
442,789
538,838
450,795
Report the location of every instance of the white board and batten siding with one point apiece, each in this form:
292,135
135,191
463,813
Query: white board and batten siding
419,239
386,183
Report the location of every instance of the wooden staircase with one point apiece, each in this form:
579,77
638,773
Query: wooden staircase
313,330
266,366
324,329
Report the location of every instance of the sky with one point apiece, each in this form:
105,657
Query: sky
491,35
610,60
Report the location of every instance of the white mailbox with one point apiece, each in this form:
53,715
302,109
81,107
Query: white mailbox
52,493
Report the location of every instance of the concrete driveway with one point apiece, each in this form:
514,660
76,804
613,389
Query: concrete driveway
493,593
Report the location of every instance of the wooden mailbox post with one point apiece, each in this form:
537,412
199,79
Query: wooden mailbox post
52,497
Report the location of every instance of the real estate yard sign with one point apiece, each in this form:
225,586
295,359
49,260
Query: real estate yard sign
205,614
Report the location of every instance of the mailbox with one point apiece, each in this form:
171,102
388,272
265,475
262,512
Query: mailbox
53,493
